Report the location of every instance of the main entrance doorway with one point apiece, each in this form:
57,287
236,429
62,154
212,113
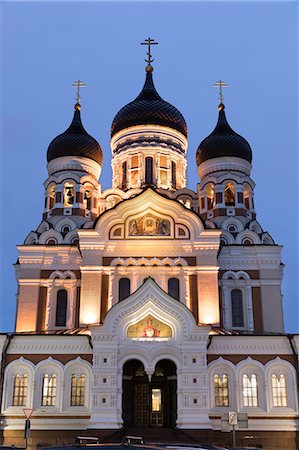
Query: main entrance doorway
150,403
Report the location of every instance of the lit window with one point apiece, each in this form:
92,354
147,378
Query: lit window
134,162
221,390
78,390
69,194
49,390
20,390
51,193
279,390
250,396
87,199
229,194
210,196
237,308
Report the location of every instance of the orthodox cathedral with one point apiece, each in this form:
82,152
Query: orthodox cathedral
149,306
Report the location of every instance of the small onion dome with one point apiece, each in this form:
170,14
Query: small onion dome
75,141
223,141
149,108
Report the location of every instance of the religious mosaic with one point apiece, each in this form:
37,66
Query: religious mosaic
149,225
149,327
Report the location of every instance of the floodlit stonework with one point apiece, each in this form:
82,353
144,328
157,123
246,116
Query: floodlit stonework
149,304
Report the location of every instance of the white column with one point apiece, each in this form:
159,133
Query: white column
225,306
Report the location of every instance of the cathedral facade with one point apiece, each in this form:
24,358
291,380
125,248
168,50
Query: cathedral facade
149,304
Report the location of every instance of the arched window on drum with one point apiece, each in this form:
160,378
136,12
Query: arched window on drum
124,288
174,288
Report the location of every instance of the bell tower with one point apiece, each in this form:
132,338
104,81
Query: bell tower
224,167
149,140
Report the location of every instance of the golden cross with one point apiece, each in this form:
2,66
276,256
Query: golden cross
221,84
78,84
149,42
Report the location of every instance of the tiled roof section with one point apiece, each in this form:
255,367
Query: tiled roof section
149,108
75,141
223,141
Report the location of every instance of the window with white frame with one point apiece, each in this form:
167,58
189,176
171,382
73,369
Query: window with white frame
20,387
237,308
78,390
221,394
49,390
279,390
250,390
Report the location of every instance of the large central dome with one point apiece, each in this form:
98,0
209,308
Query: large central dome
149,108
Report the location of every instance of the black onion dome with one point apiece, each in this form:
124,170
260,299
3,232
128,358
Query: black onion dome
149,108
223,141
75,141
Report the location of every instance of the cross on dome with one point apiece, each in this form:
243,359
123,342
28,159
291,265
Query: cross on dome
221,84
149,59
78,84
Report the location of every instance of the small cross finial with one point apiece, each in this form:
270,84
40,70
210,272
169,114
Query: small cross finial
78,84
149,42
221,84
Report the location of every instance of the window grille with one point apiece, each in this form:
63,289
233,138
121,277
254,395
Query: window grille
279,390
78,390
20,390
250,395
49,390
221,390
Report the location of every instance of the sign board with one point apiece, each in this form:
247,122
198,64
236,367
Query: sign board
27,412
242,420
225,426
233,418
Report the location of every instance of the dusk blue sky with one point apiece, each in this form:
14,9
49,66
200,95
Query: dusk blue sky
46,46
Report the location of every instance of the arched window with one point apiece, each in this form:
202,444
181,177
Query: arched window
69,194
237,308
51,196
149,170
49,390
229,194
124,288
61,308
210,196
174,288
20,390
221,390
279,390
78,390
173,174
247,196
249,385
124,175
87,199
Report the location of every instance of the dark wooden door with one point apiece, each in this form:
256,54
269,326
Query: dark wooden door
142,403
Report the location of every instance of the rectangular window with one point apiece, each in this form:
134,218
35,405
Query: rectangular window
49,390
134,162
250,395
163,162
221,390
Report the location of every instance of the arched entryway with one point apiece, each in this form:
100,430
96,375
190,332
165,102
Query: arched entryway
149,402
